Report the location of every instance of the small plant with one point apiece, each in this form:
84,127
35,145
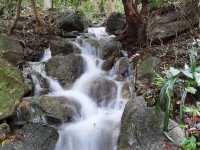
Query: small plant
186,80
190,143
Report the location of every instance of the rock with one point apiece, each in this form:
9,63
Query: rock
108,64
32,137
65,68
47,109
11,50
163,25
91,43
12,89
4,130
115,23
141,128
122,67
126,93
110,51
103,90
63,46
73,21
109,47
146,67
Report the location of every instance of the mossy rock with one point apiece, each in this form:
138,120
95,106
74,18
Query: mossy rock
12,88
55,110
10,49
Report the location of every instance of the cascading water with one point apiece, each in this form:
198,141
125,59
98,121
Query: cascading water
97,127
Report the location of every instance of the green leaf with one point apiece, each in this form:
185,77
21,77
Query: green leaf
172,72
191,90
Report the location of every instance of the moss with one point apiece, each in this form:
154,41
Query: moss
12,89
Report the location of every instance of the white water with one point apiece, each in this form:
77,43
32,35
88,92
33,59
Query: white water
98,127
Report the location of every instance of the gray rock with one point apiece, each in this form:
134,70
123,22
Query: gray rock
47,109
141,129
66,68
11,50
73,21
146,67
63,46
32,137
168,24
103,90
115,23
126,93
122,66
109,47
12,89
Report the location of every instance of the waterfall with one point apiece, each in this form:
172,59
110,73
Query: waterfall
98,126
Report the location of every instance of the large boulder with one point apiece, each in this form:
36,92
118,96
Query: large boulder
115,23
32,137
66,69
12,89
166,24
73,21
103,90
63,46
48,109
141,128
11,50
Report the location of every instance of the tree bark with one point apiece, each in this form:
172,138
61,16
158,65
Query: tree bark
134,33
18,11
39,23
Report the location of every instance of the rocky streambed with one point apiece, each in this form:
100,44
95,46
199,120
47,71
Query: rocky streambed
73,95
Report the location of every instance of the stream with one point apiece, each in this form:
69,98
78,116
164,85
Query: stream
96,126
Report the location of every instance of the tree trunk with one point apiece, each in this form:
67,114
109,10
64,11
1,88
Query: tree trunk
18,11
134,33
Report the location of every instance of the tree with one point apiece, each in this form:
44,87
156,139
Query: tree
135,31
39,23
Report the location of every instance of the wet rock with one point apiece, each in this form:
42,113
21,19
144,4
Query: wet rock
91,43
32,137
109,63
122,67
66,69
73,21
109,47
63,46
47,109
12,89
32,54
141,128
103,90
11,50
126,93
115,23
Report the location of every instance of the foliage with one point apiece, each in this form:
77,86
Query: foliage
186,80
190,143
